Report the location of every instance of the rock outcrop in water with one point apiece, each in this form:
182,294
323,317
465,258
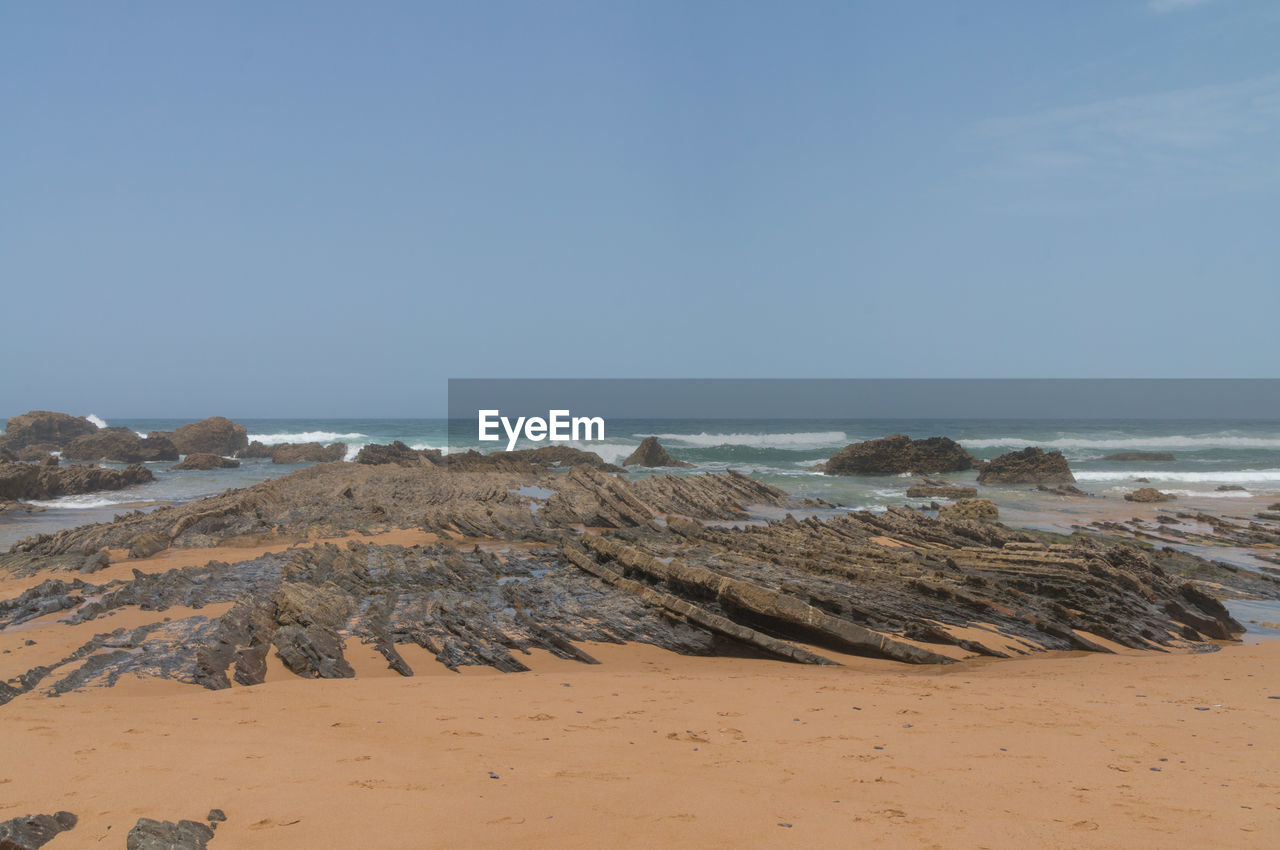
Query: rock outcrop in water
574,555
932,490
377,454
205,460
1031,465
43,426
308,453
1148,494
1147,457
121,445
899,455
651,453
49,480
215,435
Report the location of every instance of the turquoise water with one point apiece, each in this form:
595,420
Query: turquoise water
1209,454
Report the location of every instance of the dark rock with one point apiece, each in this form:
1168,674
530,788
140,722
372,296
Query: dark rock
215,435
1149,494
308,453
216,816
1031,465
1151,457
203,460
1062,490
1228,488
49,480
150,834
969,509
651,453
44,426
34,831
122,445
99,560
900,454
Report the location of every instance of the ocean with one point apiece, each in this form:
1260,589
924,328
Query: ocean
1209,454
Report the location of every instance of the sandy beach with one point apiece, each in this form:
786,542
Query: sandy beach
654,749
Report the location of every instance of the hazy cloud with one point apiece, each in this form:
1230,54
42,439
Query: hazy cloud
1207,137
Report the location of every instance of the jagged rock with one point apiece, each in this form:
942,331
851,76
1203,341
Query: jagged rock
1152,457
521,460
1229,488
215,435
122,445
147,544
203,460
150,834
255,450
969,509
1031,465
36,452
308,453
99,560
48,480
34,831
651,453
397,452
216,816
1149,494
940,491
900,454
44,426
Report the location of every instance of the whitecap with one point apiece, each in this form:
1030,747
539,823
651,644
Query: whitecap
1221,440
1243,476
786,440
96,420
306,437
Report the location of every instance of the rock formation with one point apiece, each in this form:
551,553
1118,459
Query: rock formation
308,453
899,454
215,435
1149,494
1150,457
651,453
148,834
121,445
48,480
398,453
205,460
32,832
969,509
578,554
1031,465
44,426
37,452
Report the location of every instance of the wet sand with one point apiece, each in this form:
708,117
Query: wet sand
655,749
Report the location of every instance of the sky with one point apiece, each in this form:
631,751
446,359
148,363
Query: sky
329,209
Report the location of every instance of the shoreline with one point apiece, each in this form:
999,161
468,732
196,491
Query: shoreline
1133,749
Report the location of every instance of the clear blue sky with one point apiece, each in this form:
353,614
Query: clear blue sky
273,209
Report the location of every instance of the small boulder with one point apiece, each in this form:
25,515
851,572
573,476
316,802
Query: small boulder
398,453
150,834
940,491
1031,465
1149,494
651,453
899,454
204,460
969,509
1228,488
215,435
255,450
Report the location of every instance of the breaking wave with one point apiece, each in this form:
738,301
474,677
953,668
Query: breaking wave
1242,476
1198,441
96,420
796,440
306,437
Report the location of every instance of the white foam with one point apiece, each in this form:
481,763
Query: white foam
80,502
609,452
1221,440
306,437
1244,476
96,420
789,440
